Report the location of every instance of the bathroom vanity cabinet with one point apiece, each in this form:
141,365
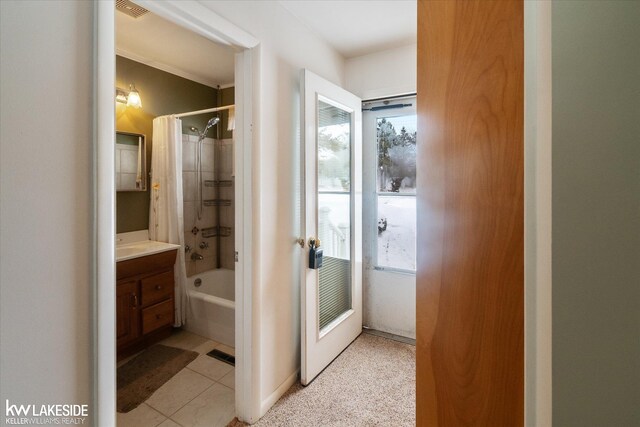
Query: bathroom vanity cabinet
144,301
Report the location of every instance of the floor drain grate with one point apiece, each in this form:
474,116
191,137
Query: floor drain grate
223,357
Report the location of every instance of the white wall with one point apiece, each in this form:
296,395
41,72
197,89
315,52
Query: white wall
46,202
389,302
389,298
385,73
286,46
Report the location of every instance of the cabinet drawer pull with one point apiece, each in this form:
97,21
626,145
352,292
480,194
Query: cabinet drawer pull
135,300
158,287
158,316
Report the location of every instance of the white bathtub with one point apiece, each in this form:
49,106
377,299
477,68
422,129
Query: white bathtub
211,306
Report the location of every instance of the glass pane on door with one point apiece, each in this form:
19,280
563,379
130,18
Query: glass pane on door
334,211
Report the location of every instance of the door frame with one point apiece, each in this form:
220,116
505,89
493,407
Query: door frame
537,214
195,17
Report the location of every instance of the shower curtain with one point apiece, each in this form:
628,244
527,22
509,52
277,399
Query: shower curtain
166,220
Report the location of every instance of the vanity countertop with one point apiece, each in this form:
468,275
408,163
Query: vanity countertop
132,245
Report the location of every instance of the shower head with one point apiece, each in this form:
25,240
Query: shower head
212,122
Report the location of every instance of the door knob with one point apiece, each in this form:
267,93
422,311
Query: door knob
314,242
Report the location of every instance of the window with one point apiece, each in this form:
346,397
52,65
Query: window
334,180
395,193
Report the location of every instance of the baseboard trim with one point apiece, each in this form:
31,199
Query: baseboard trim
389,336
277,394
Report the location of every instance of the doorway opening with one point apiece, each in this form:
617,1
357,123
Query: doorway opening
157,301
389,203
175,303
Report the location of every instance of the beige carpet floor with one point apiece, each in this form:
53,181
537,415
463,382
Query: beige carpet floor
372,383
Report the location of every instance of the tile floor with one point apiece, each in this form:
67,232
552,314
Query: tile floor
202,394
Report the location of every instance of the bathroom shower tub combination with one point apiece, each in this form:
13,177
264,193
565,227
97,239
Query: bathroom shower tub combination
208,194
211,305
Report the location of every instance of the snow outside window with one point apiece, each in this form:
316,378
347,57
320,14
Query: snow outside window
396,192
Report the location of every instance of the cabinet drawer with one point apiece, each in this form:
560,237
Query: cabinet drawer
145,265
157,288
157,316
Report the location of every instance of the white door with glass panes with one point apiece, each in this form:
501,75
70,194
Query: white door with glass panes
331,294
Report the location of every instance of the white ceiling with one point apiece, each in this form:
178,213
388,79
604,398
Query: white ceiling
358,27
162,44
352,27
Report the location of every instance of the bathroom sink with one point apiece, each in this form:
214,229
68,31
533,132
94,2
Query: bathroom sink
143,248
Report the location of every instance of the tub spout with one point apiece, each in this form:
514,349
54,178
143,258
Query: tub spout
196,257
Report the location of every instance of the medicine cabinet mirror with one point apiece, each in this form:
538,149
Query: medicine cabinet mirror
131,165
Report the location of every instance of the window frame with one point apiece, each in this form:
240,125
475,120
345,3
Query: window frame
373,166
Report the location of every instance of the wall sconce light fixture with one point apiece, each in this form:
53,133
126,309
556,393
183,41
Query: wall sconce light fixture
130,97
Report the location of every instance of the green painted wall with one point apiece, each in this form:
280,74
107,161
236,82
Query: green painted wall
596,213
161,93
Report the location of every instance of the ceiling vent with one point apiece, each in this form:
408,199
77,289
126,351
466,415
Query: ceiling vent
129,8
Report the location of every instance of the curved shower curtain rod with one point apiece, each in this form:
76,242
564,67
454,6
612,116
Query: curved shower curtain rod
208,110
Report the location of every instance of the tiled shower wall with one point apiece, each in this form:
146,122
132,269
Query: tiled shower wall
217,164
224,166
